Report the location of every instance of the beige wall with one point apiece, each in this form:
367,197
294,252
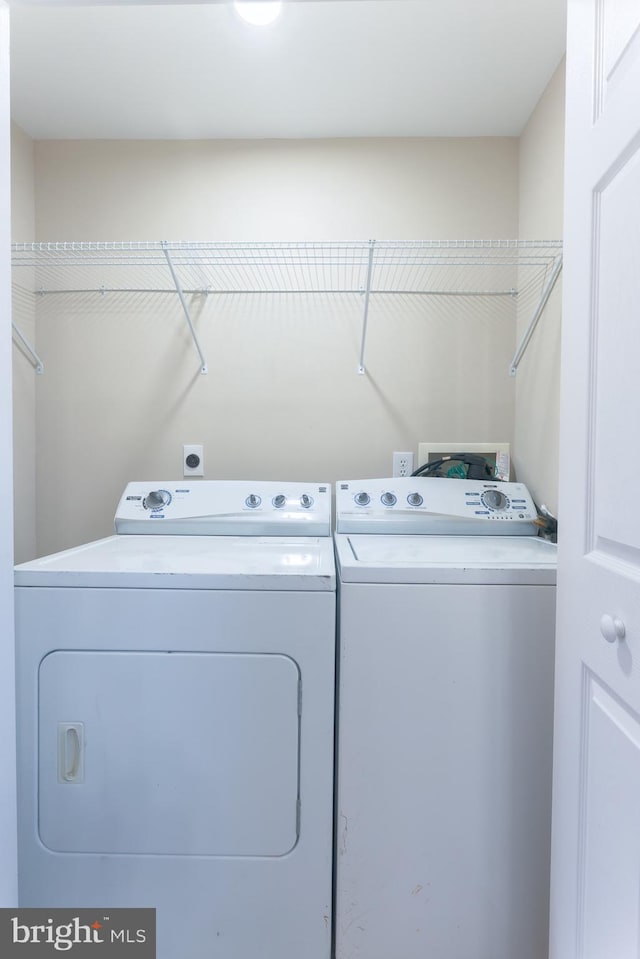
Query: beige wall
277,190
538,379
122,392
24,377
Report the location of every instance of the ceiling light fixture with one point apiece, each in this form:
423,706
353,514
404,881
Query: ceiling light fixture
259,13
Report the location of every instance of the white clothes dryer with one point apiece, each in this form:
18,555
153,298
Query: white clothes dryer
445,713
176,719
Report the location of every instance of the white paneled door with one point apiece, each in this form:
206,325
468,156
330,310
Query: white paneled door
595,910
8,854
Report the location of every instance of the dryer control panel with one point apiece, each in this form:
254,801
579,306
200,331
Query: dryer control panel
225,507
416,504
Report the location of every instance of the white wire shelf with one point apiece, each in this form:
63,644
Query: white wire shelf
502,268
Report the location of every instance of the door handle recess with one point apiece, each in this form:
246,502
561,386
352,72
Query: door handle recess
70,752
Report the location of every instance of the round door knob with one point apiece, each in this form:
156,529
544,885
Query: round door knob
612,628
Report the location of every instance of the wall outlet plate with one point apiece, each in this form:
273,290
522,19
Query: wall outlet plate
402,464
193,459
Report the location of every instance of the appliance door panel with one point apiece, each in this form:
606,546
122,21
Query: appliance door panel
200,690
444,771
176,753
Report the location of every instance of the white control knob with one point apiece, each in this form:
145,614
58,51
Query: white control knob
495,499
362,499
156,499
414,499
612,628
279,500
253,501
306,501
388,499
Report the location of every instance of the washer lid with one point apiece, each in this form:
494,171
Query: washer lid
445,559
188,562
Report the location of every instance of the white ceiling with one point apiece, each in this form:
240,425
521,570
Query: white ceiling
326,68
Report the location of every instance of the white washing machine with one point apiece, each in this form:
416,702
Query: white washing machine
176,719
445,712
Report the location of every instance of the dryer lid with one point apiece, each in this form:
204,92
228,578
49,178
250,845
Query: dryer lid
188,562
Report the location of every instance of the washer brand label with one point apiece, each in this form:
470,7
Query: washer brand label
32,933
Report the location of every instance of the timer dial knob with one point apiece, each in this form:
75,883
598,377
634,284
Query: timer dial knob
306,501
279,500
414,499
494,499
252,501
388,499
157,499
362,499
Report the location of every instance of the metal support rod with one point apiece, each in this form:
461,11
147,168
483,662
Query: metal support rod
231,291
365,317
185,307
103,290
537,313
39,365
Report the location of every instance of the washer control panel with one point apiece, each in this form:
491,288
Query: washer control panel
418,504
222,507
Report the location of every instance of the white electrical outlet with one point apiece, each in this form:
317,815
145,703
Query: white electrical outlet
193,460
402,464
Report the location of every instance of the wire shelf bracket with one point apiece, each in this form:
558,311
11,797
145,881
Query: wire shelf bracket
185,305
37,362
537,313
367,294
